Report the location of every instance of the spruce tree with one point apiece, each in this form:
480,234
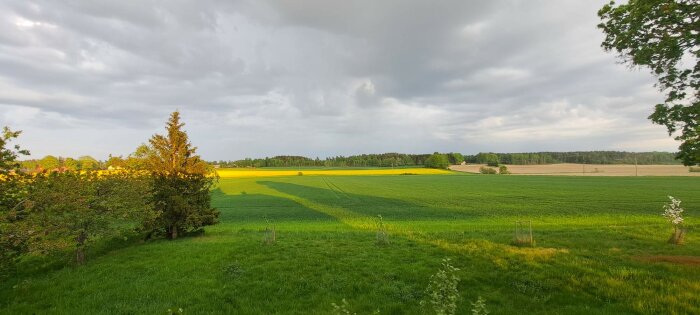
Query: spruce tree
181,182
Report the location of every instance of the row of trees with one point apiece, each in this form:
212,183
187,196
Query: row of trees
51,162
588,157
83,163
430,160
363,160
166,194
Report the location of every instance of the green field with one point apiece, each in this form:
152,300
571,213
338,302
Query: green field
592,235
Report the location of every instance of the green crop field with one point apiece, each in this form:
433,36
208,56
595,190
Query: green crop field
596,242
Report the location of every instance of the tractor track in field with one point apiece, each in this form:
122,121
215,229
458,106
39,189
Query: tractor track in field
337,191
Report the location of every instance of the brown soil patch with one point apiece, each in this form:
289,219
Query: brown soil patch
569,169
680,260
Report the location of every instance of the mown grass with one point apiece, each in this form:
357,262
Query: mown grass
589,232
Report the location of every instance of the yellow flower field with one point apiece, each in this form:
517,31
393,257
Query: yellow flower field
246,172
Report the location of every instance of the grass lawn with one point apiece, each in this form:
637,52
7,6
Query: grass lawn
594,237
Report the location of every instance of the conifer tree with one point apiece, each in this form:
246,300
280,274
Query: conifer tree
181,182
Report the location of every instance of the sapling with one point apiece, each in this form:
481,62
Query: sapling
382,232
442,293
342,309
674,214
270,234
479,307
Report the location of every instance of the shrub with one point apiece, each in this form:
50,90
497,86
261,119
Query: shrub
442,290
523,234
13,236
487,170
175,311
694,169
342,309
503,170
674,214
233,270
479,307
300,174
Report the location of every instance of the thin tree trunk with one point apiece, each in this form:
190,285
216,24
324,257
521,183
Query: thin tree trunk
173,232
79,256
80,248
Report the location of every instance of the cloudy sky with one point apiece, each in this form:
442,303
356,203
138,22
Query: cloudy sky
319,78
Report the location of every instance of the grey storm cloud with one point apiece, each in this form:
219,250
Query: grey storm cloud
319,78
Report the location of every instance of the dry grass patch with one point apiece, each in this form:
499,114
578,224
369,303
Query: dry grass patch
679,260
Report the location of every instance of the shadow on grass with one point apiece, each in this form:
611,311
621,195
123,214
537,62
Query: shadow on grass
257,207
365,205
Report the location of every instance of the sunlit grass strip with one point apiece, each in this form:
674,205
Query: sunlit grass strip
234,172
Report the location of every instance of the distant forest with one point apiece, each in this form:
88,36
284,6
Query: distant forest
364,160
583,157
401,160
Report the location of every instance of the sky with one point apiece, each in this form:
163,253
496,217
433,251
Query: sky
320,78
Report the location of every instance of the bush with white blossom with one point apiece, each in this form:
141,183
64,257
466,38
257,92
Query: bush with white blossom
673,211
674,214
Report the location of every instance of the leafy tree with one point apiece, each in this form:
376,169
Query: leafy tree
12,192
181,182
139,159
71,164
437,160
88,163
49,162
29,165
490,159
664,36
455,158
70,210
116,162
9,155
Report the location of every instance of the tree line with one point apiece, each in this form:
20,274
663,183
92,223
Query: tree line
162,192
580,157
438,160
362,160
83,163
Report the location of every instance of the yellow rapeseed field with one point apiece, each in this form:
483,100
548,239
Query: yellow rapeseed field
246,172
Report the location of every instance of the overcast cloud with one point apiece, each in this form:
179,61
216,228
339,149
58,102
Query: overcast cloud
319,78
